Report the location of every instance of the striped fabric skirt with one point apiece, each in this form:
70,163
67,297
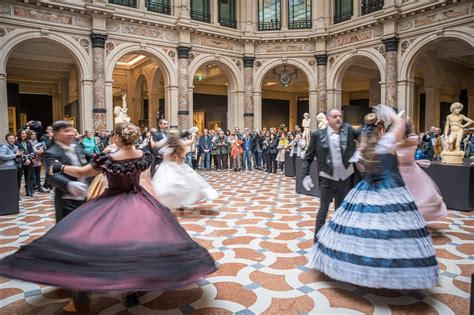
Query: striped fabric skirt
377,238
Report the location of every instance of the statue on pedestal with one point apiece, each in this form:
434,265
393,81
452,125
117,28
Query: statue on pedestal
453,132
322,121
120,113
306,128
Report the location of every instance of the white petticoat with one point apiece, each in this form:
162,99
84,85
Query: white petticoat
178,185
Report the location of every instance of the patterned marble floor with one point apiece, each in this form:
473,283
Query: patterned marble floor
258,231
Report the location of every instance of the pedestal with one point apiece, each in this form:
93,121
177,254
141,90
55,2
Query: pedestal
289,165
9,190
456,183
452,157
314,176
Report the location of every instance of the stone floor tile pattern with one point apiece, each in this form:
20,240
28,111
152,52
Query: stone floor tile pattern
259,232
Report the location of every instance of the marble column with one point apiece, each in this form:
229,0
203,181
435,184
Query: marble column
153,109
321,61
183,99
4,105
374,92
99,110
391,72
248,91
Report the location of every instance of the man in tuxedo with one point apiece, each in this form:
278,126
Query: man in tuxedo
158,136
70,192
333,148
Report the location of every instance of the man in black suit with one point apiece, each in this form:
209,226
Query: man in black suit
157,136
333,148
70,192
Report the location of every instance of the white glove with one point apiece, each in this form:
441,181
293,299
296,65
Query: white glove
384,113
193,130
77,189
308,183
401,114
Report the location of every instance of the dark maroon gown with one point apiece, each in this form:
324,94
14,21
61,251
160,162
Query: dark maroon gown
122,240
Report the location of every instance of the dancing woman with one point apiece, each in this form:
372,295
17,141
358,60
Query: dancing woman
176,184
423,189
123,240
377,237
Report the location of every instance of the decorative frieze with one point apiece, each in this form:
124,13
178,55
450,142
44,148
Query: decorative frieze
141,30
284,47
432,18
351,38
217,43
5,9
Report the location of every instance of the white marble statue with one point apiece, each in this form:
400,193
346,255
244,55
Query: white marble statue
306,128
453,132
120,113
322,121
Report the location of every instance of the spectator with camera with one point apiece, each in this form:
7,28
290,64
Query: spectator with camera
38,150
27,161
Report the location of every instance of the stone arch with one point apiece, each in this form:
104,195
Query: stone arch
17,37
235,88
80,55
337,71
157,55
165,63
301,64
407,64
309,72
227,65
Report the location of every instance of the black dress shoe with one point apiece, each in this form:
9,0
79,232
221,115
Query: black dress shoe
132,300
41,190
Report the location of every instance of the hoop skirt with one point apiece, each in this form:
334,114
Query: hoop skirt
419,184
178,185
377,237
122,240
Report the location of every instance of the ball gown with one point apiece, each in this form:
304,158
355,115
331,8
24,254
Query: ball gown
419,184
377,238
183,185
123,240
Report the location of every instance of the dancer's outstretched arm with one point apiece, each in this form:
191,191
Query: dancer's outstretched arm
75,171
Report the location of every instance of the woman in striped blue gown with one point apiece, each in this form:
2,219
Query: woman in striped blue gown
377,237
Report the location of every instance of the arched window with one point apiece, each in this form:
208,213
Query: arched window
227,16
299,14
342,10
160,6
269,15
200,10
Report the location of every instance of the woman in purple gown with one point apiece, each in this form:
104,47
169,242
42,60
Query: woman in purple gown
123,240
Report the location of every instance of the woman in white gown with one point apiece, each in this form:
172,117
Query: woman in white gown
176,184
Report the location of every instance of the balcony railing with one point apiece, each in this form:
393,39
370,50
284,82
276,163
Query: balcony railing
297,25
127,3
164,8
201,16
269,26
343,16
227,22
372,6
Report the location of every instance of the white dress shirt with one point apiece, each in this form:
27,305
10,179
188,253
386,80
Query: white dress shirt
339,172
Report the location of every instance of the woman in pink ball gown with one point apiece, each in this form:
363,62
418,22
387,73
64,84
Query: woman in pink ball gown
424,190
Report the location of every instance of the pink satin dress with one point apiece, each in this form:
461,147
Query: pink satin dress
423,189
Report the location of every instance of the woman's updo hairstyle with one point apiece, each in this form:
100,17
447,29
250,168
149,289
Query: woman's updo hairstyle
128,133
371,134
